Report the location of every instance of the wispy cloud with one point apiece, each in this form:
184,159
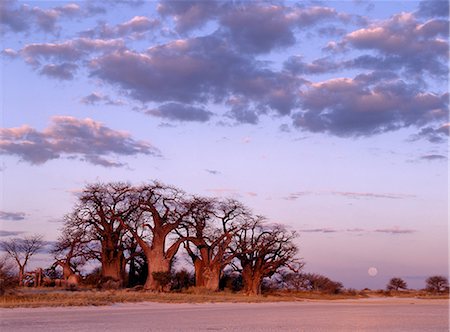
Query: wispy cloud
223,191
431,157
349,194
319,230
212,171
392,230
395,230
96,98
10,233
13,216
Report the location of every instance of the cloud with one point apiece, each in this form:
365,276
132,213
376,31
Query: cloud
357,107
135,28
242,111
212,171
297,65
395,230
296,195
349,194
222,67
10,233
180,112
405,42
244,28
70,50
84,139
64,71
240,22
319,230
197,70
189,15
223,191
434,134
357,195
18,17
96,98
392,230
13,216
14,18
431,157
433,8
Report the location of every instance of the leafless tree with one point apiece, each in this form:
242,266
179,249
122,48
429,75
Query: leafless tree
73,249
208,236
262,250
21,250
162,209
8,277
97,214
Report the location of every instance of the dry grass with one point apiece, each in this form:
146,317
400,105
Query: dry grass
55,298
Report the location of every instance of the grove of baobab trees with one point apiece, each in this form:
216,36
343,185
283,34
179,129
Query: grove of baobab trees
114,222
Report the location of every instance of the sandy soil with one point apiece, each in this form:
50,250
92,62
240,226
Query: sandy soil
372,314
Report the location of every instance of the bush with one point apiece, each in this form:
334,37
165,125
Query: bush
94,278
182,279
231,280
162,278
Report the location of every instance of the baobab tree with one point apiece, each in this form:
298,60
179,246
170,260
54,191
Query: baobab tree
99,209
72,250
21,250
262,250
208,236
162,209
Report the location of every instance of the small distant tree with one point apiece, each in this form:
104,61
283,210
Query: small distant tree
437,284
314,282
396,284
21,250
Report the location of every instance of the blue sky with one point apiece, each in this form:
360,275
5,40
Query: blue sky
329,117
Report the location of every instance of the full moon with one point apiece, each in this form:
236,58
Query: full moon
372,271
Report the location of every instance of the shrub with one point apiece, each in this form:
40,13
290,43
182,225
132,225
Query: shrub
231,280
162,278
182,279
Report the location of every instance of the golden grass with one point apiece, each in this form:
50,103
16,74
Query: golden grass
53,298
56,298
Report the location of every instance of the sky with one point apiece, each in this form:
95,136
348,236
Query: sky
330,117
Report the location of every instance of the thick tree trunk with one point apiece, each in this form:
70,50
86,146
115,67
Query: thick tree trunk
112,265
207,276
156,265
252,281
21,274
157,261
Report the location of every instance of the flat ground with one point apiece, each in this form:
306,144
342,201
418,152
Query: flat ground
373,314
